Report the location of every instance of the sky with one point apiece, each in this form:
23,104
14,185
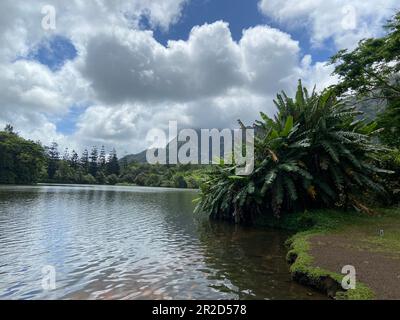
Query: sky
106,72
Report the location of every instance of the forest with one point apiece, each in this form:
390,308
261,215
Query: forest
28,162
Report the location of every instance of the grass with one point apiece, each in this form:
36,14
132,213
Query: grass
364,231
324,280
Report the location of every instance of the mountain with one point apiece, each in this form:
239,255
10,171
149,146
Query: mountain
138,157
141,157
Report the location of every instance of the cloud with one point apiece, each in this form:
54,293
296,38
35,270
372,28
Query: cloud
134,66
34,98
206,81
131,83
344,21
271,57
31,86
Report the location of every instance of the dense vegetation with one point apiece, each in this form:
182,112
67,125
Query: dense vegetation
168,176
313,154
28,162
101,168
370,76
21,161
318,151
90,168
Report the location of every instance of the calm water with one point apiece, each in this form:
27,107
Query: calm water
133,243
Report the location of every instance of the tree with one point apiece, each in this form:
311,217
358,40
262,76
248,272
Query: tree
84,162
313,154
53,158
113,164
64,173
389,121
371,70
21,161
102,159
74,161
66,156
9,129
112,179
93,165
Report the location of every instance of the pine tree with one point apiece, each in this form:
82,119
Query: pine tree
102,159
10,129
93,165
113,164
66,156
53,159
85,161
74,161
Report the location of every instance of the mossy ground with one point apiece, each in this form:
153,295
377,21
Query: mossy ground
378,233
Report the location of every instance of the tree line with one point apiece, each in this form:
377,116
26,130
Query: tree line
90,167
26,162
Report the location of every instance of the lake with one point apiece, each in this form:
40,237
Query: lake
106,242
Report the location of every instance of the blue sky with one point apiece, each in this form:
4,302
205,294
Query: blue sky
240,14
53,52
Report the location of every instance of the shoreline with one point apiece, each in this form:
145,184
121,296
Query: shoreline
93,185
316,255
325,281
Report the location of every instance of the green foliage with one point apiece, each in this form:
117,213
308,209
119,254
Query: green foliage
53,157
88,179
26,162
312,154
391,161
112,179
389,121
370,74
371,68
302,267
21,161
112,166
350,224
93,168
168,176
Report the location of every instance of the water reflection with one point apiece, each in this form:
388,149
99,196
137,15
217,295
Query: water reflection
249,263
132,243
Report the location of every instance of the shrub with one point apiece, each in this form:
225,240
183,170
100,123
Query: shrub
112,179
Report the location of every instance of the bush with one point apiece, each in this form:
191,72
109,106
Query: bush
179,181
112,179
88,179
391,161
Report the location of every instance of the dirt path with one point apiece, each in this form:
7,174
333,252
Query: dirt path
376,261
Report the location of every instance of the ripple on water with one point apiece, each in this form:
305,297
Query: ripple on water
132,243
